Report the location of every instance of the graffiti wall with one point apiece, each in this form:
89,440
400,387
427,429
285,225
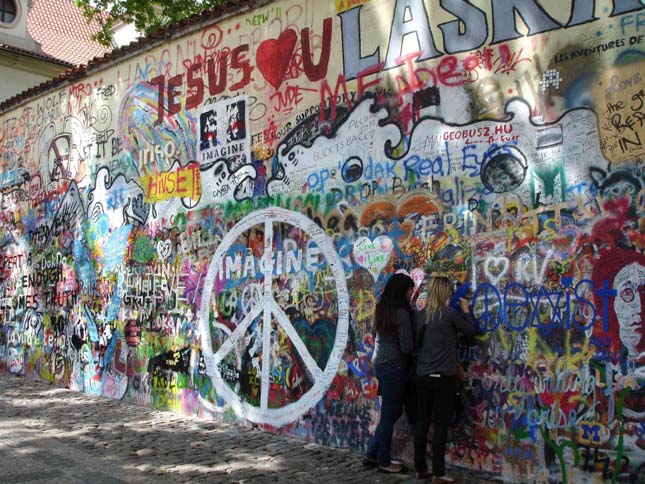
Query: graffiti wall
206,225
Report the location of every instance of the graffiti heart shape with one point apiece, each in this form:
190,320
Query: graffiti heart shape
164,248
417,276
373,254
495,268
273,56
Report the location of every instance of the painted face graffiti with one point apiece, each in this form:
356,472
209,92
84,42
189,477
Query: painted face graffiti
629,304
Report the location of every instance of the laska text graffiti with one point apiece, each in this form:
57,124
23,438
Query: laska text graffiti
468,32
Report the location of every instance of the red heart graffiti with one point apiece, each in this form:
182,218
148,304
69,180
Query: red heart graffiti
273,56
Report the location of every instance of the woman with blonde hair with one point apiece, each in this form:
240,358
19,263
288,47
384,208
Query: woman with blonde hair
437,328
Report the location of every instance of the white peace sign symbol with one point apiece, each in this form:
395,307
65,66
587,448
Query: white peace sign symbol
251,295
322,378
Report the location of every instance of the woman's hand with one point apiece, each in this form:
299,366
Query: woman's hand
464,305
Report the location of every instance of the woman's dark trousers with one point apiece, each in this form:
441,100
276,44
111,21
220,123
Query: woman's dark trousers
435,402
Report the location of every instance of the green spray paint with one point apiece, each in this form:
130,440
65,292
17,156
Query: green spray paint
559,451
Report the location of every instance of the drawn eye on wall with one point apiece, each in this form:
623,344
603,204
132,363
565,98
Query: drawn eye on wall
220,171
352,169
627,294
505,170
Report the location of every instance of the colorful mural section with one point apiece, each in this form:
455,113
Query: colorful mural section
207,225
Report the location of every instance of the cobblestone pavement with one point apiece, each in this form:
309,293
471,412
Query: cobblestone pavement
53,435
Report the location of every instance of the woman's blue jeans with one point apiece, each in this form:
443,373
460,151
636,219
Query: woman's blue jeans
391,380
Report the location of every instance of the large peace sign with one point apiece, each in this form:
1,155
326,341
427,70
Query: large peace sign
263,325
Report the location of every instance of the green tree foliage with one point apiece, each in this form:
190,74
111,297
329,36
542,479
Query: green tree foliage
146,15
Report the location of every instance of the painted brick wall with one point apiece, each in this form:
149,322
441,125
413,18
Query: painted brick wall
206,226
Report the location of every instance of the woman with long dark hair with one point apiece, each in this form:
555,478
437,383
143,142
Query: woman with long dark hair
393,321
436,381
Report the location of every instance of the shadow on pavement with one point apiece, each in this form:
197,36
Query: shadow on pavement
50,434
